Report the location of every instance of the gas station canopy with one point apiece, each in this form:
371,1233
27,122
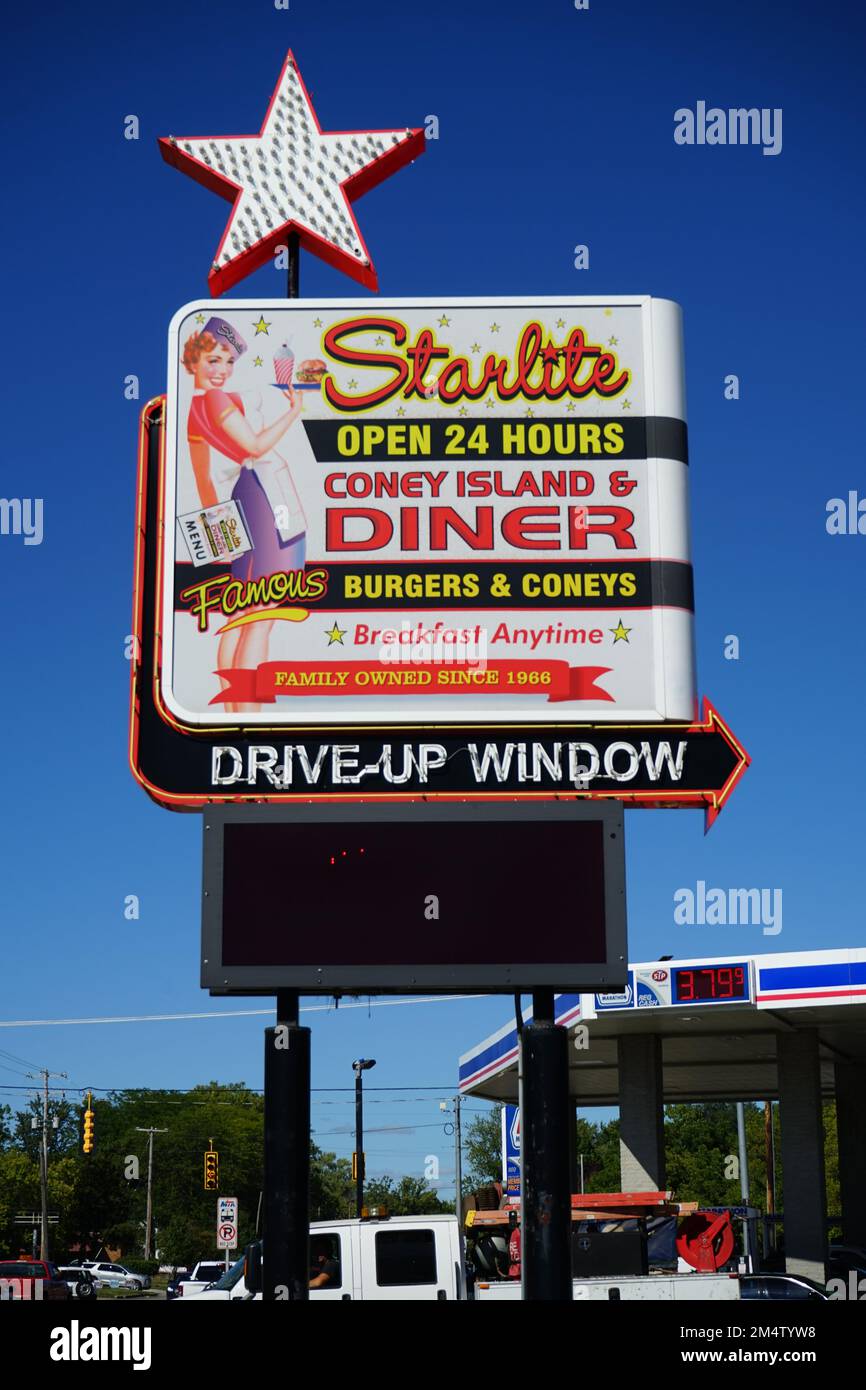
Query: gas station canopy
719,1021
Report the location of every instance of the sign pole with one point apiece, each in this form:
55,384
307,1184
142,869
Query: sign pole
286,1259
286,1263
293,247
544,1120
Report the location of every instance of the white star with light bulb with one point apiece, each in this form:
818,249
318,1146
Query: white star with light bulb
292,177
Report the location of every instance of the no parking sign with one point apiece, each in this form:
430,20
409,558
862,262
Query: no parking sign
227,1223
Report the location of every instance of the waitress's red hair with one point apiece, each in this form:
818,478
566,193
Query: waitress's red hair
195,347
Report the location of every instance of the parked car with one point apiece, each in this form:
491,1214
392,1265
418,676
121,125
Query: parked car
30,1279
846,1257
781,1286
116,1276
82,1283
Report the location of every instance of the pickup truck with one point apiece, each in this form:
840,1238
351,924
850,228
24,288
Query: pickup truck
632,1288
416,1258
205,1273
419,1258
32,1279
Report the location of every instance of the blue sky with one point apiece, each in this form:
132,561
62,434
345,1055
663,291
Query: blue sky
555,128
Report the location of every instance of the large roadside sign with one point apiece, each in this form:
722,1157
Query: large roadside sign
423,548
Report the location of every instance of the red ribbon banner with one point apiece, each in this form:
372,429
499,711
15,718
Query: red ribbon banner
555,679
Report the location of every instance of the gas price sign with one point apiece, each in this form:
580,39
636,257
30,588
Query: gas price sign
711,984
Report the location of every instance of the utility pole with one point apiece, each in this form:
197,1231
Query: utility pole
149,1216
43,1152
458,1163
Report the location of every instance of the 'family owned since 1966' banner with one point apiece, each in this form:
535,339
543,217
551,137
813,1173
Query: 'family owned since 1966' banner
419,511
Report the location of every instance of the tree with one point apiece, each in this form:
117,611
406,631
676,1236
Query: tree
332,1191
180,1242
19,1192
406,1196
599,1144
482,1150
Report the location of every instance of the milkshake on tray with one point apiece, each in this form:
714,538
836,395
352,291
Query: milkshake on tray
284,367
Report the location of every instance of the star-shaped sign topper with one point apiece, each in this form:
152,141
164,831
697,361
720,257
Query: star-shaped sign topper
292,177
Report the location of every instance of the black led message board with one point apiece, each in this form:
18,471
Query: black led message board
372,899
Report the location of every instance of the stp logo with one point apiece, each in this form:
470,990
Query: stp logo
660,975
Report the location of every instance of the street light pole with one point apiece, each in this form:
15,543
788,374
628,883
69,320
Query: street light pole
359,1068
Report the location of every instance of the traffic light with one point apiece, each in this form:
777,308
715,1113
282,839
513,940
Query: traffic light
211,1171
88,1139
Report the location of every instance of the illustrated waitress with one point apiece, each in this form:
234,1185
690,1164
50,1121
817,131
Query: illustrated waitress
233,462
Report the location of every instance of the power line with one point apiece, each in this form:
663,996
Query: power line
235,1013
22,1061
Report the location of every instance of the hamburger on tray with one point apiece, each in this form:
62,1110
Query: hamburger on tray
310,373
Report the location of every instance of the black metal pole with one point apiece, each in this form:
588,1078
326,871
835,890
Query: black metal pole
293,246
286,1250
544,1119
286,1217
359,1142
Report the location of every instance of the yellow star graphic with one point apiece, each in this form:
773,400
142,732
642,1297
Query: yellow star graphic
530,412
317,323
607,313
463,410
444,322
261,326
560,323
336,634
199,318
570,406
353,385
494,328
612,342
626,405
257,361
490,403
620,633
379,341
476,347
400,410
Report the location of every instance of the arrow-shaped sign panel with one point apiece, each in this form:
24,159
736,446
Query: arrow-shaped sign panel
658,765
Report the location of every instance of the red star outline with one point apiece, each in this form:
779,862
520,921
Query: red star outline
223,277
